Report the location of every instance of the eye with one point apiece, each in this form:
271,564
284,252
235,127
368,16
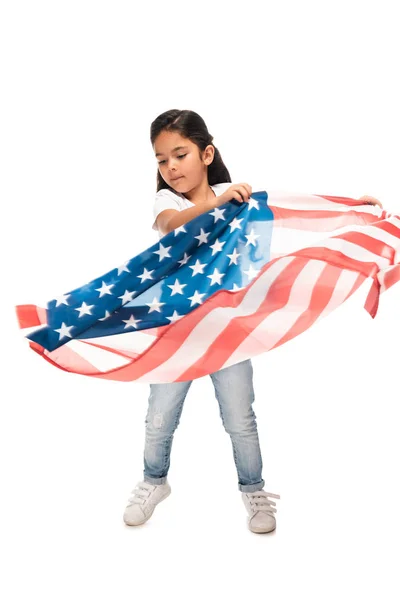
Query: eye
163,161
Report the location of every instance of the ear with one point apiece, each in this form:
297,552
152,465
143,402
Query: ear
209,154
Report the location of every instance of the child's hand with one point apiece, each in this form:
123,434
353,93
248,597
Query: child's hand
237,191
370,200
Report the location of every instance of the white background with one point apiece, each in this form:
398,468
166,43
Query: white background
298,96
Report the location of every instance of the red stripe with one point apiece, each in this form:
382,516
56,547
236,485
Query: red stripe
320,220
30,315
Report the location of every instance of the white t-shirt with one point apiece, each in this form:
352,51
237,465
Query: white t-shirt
167,199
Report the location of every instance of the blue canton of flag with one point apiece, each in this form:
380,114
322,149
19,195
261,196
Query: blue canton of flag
223,249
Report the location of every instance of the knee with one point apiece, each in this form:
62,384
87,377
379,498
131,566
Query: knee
160,423
240,424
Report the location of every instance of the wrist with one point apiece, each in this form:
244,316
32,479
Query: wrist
213,202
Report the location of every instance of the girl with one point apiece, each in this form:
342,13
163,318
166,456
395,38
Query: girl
192,179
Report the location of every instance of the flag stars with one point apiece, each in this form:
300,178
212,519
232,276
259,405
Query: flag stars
196,298
236,288
251,273
177,287
123,268
62,300
163,252
234,257
235,224
184,260
155,305
198,268
126,297
106,316
145,275
105,289
216,277
131,322
175,317
84,309
64,331
202,237
178,229
253,204
217,247
218,214
251,238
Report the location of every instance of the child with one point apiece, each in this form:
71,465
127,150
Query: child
192,179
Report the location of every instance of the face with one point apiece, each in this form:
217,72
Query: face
179,161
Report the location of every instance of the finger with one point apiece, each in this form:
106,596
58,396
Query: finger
244,191
238,196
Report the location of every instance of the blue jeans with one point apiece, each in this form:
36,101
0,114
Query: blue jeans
235,394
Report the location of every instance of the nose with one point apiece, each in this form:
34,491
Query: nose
172,166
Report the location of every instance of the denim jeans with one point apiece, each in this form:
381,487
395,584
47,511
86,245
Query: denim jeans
235,394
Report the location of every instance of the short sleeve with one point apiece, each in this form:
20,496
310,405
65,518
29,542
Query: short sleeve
164,201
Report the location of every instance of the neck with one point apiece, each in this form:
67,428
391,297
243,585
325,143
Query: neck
200,193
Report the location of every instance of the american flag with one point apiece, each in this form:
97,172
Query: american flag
231,284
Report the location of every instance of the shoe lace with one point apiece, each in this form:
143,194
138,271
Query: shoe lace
140,493
259,501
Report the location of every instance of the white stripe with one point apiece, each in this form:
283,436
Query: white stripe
310,202
209,328
101,359
134,341
285,240
353,251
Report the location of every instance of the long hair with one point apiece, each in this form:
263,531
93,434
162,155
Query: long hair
190,125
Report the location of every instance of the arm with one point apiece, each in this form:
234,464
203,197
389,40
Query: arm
170,219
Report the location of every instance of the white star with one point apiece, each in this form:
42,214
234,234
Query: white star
163,252
184,260
64,331
84,309
218,214
235,224
180,228
251,273
145,275
196,298
198,268
155,305
251,239
234,256
123,268
202,237
177,287
105,289
132,322
62,299
217,247
107,314
175,317
216,277
236,288
253,204
127,296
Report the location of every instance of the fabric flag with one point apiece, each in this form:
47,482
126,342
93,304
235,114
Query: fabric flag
232,283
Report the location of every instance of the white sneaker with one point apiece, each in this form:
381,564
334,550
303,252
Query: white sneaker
143,501
261,518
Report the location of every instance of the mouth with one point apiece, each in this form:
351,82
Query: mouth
177,178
